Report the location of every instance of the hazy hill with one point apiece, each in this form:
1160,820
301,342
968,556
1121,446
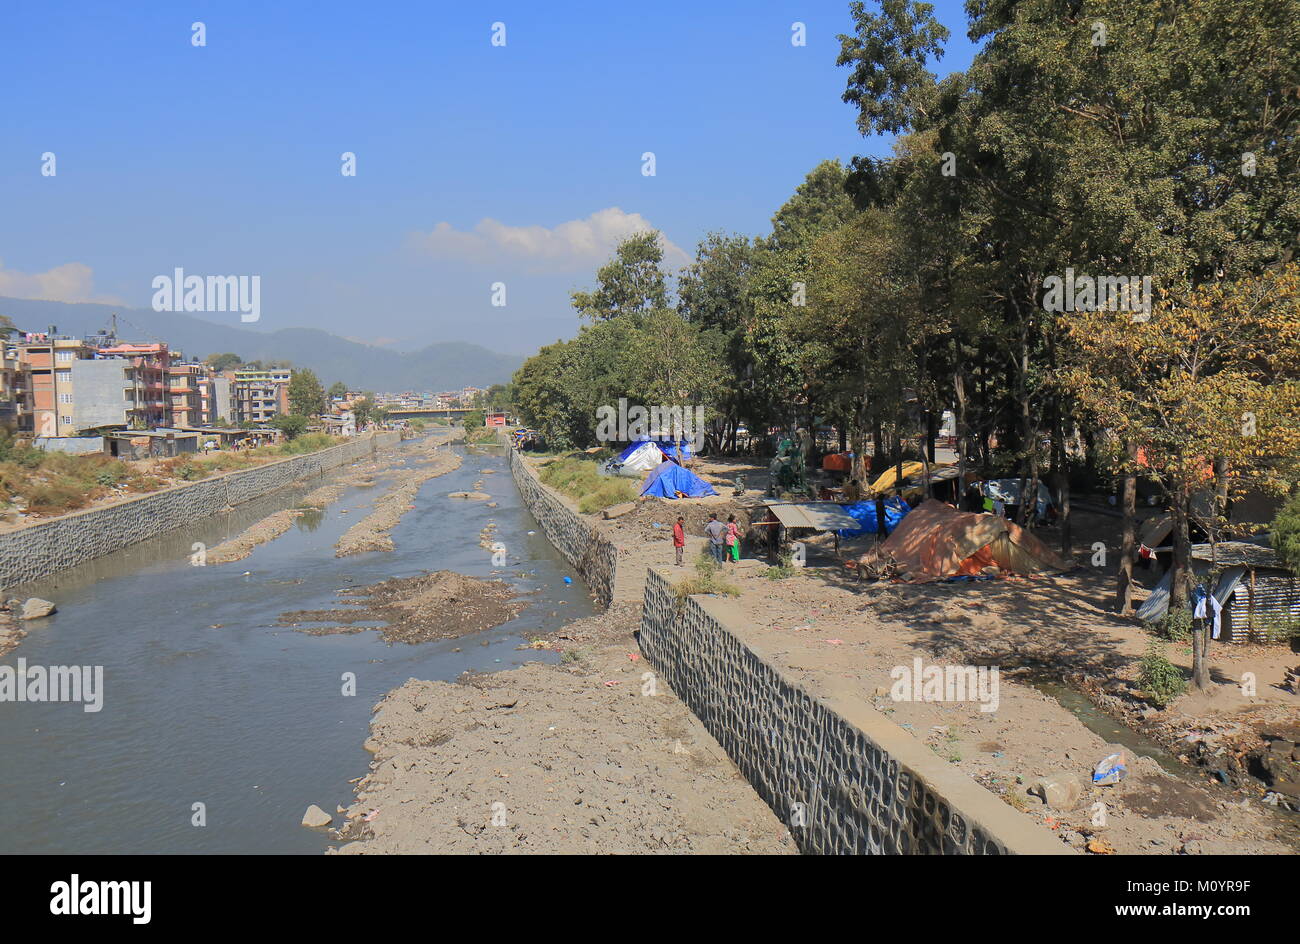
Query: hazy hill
444,366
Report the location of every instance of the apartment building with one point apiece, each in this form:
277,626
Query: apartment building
258,395
186,384
47,359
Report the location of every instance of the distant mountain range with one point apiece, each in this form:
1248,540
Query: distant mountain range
443,366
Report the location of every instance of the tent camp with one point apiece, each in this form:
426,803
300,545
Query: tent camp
935,541
639,458
669,480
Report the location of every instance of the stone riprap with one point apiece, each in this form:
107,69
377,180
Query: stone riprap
592,555
843,777
40,550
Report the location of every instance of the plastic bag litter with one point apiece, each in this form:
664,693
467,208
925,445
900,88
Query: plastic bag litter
1111,769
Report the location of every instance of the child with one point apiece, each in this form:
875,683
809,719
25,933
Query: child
733,538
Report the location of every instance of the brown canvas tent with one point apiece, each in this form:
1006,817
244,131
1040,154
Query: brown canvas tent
935,541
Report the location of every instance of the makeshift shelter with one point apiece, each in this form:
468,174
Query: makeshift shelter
1008,492
678,450
639,458
1155,536
889,476
670,480
935,541
1258,593
864,513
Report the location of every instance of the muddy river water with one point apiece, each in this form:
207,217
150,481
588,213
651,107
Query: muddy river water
207,701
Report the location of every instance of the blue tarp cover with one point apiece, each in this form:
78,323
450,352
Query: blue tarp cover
865,512
670,478
681,449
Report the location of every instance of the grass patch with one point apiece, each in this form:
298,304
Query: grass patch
708,579
580,480
481,435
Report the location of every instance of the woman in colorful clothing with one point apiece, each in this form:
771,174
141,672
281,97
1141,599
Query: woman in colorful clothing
733,538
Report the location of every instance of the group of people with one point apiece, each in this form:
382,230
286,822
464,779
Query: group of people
724,540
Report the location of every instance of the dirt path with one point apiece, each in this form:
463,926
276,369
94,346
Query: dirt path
569,758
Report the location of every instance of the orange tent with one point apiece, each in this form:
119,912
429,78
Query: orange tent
935,541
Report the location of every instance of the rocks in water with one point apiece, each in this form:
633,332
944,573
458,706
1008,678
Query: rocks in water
315,817
471,496
35,608
1060,791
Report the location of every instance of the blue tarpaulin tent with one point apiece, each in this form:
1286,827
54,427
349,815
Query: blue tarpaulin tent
865,512
670,478
674,449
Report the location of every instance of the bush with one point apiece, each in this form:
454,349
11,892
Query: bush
1286,533
1159,679
580,480
1175,625
290,424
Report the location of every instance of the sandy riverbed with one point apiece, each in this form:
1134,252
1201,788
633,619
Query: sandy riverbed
568,758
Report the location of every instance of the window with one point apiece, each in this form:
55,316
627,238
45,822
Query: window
67,420
65,356
63,376
65,398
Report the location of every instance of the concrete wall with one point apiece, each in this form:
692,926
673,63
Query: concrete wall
592,555
42,549
859,783
75,445
98,392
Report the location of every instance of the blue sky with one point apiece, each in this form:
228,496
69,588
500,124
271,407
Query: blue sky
225,159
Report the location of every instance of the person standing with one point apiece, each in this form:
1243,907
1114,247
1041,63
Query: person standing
679,539
733,539
715,530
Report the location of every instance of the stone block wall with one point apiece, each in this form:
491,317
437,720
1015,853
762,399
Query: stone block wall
593,556
845,778
37,551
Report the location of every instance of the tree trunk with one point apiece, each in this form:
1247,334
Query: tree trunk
959,389
1128,544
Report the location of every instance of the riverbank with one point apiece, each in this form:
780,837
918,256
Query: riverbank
39,550
570,758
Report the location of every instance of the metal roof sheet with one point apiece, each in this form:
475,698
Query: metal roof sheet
821,516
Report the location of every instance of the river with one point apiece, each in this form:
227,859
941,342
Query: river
206,700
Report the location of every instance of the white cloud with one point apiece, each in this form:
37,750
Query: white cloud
570,246
70,282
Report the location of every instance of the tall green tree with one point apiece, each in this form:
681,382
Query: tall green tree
632,282
306,395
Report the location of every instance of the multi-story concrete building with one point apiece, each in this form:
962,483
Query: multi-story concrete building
48,360
14,392
145,377
258,395
185,392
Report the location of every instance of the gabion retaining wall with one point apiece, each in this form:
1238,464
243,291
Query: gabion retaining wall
844,778
593,556
42,549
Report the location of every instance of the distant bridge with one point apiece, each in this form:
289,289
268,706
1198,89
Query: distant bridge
449,413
